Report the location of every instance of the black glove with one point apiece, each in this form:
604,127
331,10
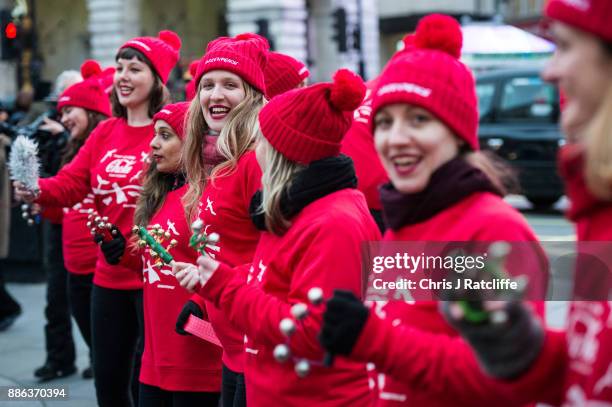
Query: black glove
343,321
190,308
504,349
112,249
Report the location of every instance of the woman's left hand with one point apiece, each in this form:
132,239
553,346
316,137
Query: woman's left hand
52,126
207,268
187,275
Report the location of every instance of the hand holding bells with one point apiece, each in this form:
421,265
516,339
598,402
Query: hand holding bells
200,240
501,329
24,167
99,225
288,326
153,241
475,306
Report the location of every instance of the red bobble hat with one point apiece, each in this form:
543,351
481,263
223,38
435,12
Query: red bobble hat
174,114
162,51
283,73
308,124
430,75
88,94
245,55
593,16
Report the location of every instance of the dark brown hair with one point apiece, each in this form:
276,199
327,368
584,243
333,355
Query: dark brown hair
503,177
159,95
155,187
75,143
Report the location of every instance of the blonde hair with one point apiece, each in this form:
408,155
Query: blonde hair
277,177
236,138
598,142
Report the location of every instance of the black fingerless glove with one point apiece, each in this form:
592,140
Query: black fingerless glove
190,308
343,320
506,349
112,249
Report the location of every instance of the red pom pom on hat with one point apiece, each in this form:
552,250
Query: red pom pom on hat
170,38
90,68
308,124
439,32
347,91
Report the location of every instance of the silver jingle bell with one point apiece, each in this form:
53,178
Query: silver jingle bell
281,353
299,311
25,207
302,368
287,327
213,238
197,225
315,295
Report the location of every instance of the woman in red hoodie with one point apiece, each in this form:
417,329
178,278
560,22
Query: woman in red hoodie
313,222
222,123
442,189
576,366
109,166
176,370
83,106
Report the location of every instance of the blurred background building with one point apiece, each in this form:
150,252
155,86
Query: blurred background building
55,35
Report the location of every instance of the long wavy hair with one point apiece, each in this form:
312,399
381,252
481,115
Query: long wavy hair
237,137
277,177
155,187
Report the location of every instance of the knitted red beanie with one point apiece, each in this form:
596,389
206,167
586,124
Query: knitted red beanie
593,16
308,124
245,55
88,94
430,75
174,114
283,73
162,51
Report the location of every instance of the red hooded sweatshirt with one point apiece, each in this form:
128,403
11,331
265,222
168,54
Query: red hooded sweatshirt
482,216
320,249
109,164
224,209
171,361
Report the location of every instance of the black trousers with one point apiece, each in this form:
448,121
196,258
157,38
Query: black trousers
151,396
58,329
79,294
117,339
233,391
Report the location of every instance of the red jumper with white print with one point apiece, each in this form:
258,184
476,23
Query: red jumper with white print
108,165
79,250
224,209
322,248
171,361
483,217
